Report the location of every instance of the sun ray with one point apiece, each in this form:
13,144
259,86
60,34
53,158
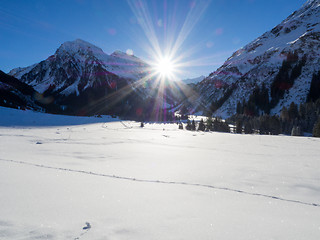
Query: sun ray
167,59
140,10
167,56
192,19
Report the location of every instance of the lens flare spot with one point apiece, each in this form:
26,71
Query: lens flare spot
219,31
159,23
139,111
209,44
129,52
112,31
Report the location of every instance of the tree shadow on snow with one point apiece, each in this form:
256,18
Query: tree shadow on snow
26,118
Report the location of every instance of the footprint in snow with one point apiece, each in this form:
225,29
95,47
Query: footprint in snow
88,226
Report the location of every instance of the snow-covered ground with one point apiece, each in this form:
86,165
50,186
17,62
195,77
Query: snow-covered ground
100,178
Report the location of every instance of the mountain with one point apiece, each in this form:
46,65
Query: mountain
78,65
282,60
83,80
17,94
193,80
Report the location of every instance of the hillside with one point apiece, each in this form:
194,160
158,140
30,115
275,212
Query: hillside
17,94
295,42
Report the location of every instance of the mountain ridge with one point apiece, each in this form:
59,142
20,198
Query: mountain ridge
83,80
78,64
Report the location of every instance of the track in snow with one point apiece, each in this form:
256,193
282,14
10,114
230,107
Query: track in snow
163,182
86,228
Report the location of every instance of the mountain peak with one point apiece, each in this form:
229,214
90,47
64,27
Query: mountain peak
79,45
122,55
77,65
117,53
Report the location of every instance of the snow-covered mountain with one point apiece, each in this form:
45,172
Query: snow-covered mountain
83,80
193,80
260,62
77,65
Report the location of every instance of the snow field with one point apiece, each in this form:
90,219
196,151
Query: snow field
155,182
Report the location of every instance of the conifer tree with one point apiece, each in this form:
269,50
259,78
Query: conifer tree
193,125
296,131
201,126
209,124
248,127
274,125
293,111
316,129
239,108
220,126
239,126
188,127
302,111
314,92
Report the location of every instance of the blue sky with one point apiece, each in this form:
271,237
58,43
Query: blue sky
204,33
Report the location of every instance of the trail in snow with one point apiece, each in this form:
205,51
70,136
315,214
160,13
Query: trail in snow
163,182
124,124
86,228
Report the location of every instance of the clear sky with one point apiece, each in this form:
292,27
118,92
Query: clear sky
199,35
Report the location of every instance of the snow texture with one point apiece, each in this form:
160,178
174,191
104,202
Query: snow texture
102,178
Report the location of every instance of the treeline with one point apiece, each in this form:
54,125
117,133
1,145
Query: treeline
314,93
211,124
253,115
294,121
261,101
215,105
258,102
290,70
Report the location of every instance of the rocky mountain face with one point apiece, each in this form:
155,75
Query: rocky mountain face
83,80
282,60
78,65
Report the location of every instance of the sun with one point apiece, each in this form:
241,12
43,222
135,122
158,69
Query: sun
165,67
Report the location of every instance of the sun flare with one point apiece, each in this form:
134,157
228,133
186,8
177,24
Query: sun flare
165,67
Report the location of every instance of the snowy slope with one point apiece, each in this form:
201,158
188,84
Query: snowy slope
193,80
155,182
77,65
260,61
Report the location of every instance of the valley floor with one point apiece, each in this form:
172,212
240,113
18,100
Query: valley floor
91,178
